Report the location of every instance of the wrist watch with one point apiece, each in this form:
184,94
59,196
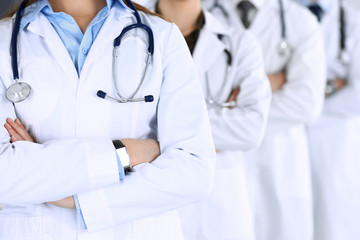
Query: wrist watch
123,155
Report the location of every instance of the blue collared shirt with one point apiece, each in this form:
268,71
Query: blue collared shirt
77,43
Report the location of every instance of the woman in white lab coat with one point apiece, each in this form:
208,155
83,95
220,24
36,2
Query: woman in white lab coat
335,137
227,60
279,170
73,129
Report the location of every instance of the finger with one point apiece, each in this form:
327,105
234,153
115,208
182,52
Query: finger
236,91
234,95
20,123
23,132
20,130
13,134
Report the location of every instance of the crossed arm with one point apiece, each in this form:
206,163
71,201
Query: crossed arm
140,151
277,80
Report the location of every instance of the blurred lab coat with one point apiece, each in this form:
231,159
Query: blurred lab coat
226,213
279,170
335,138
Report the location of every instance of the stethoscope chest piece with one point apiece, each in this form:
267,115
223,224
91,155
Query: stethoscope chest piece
18,92
344,57
284,48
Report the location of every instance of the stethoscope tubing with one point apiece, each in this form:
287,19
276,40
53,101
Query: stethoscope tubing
285,45
14,41
210,99
20,91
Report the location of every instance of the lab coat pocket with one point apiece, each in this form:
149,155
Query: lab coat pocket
22,228
46,88
226,212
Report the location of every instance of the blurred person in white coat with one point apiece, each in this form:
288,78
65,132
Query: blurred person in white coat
231,72
335,138
65,52
279,170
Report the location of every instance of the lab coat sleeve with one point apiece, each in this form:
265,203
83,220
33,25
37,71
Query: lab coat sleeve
243,127
346,102
33,173
183,172
300,100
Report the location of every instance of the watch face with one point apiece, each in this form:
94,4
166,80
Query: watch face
124,157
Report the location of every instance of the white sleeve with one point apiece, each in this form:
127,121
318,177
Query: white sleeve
182,173
346,102
300,101
33,173
243,127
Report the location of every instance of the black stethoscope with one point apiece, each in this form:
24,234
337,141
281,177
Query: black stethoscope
344,56
284,47
20,91
211,99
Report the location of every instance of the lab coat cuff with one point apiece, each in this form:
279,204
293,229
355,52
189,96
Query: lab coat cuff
103,168
78,209
96,211
120,166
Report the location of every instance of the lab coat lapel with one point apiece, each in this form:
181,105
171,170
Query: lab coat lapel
269,10
42,27
328,19
209,44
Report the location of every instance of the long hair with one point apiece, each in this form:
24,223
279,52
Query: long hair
29,2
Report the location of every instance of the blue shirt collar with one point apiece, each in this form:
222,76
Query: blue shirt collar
34,9
324,4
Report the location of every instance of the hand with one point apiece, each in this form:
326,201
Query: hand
277,81
141,151
17,131
233,96
64,203
340,83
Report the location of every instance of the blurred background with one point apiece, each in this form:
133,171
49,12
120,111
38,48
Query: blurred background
5,4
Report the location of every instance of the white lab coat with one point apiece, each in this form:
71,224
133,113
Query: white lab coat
74,128
335,138
226,213
279,171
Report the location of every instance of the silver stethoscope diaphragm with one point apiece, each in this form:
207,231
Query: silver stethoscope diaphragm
284,48
344,57
18,92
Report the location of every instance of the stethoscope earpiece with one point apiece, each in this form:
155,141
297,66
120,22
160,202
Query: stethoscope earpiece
231,104
147,98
